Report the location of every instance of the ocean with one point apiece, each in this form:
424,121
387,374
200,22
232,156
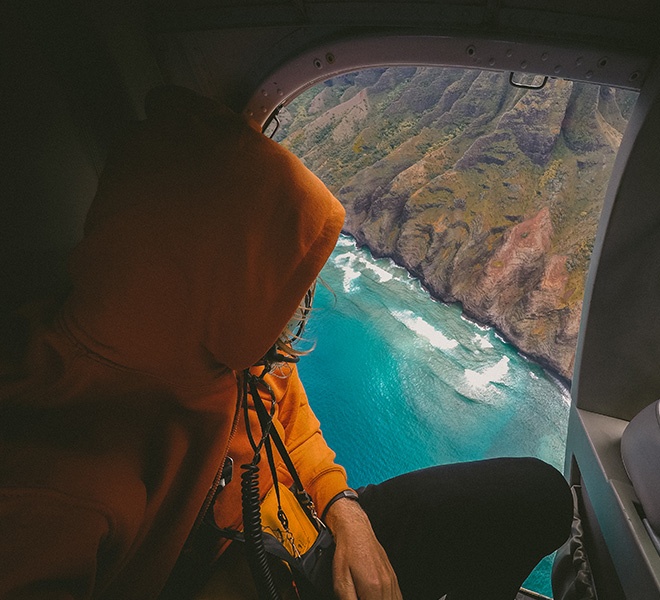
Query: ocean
400,381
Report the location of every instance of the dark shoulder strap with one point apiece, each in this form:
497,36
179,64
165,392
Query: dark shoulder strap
266,422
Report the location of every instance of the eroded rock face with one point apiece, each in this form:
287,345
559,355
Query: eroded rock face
523,292
489,194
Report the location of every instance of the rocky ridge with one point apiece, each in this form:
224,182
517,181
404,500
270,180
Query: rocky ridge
489,193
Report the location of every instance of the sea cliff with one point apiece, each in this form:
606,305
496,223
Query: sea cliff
488,193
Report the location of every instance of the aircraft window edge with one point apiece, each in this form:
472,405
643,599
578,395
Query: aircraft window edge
591,65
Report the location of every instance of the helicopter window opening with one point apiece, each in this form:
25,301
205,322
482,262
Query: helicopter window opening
472,207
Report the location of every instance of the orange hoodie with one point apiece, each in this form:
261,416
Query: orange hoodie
202,240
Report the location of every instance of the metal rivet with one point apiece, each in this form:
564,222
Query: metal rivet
603,61
633,76
557,68
330,58
544,56
250,113
264,92
589,74
264,109
470,50
491,62
318,64
509,53
523,64
578,61
280,93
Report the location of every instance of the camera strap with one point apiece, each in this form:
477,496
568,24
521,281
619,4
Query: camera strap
271,436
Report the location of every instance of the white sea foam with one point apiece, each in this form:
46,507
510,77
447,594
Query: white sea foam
424,329
353,265
475,323
492,374
350,276
383,275
345,241
346,257
482,341
346,263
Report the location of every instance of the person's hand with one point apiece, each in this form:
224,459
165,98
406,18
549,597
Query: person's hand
361,569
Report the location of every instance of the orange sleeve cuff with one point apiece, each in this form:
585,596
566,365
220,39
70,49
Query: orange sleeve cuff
326,486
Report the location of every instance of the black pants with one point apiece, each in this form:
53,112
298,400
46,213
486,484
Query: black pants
472,530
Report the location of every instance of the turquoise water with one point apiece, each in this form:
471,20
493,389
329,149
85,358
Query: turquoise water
402,382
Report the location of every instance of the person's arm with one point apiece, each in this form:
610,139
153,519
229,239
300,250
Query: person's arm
315,462
360,568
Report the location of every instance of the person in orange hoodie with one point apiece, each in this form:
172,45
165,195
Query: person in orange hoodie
119,410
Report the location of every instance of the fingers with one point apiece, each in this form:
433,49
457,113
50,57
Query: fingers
371,578
345,590
342,579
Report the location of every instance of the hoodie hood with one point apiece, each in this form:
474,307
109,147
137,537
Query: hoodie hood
201,242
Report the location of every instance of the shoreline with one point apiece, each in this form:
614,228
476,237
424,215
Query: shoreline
541,361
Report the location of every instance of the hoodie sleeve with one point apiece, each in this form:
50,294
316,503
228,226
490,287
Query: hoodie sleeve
315,462
49,545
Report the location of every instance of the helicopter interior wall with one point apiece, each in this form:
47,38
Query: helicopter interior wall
61,104
600,561
49,167
618,544
617,370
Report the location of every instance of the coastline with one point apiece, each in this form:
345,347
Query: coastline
544,362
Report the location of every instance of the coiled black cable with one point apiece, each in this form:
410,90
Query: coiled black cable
254,543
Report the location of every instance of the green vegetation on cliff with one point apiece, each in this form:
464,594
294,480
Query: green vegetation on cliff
490,194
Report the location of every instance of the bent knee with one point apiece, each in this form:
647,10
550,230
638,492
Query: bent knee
549,502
